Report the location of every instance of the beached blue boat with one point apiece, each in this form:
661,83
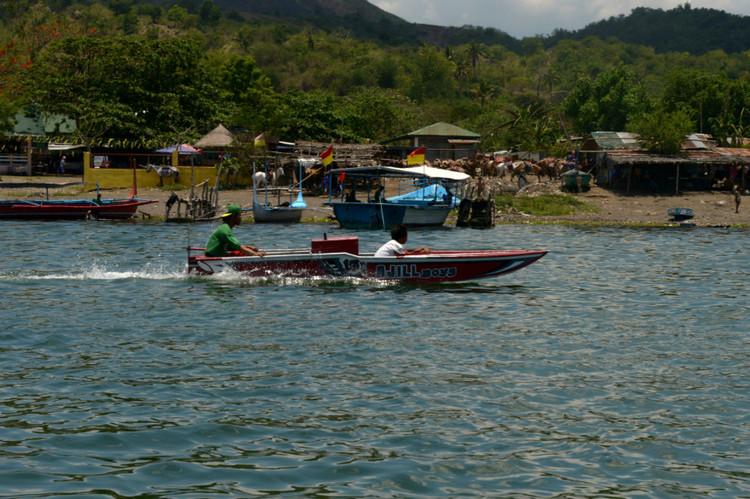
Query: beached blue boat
680,214
426,196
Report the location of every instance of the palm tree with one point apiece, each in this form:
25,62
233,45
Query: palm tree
476,54
484,91
461,74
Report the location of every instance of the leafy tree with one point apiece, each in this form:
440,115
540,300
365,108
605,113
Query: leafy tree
432,75
250,93
209,14
120,7
129,89
607,102
376,114
662,131
309,116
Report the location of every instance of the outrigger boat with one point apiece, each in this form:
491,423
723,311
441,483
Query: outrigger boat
433,193
339,257
67,209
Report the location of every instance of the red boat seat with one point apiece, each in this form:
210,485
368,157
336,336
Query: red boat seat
346,244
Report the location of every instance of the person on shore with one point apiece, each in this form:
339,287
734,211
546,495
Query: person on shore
394,247
737,198
222,242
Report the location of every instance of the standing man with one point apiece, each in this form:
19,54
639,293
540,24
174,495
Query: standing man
222,241
737,198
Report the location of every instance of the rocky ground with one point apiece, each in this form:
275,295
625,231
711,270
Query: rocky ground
711,208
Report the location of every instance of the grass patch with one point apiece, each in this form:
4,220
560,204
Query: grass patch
544,204
173,187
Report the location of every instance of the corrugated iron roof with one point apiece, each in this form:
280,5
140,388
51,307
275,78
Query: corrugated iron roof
607,141
41,124
698,156
733,151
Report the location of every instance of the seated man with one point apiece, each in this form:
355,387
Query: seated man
395,246
222,241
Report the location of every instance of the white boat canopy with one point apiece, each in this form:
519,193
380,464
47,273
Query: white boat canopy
391,171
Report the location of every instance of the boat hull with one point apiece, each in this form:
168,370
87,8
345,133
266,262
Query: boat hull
439,266
386,215
69,210
276,214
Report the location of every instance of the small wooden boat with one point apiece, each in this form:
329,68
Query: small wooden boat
576,181
679,214
72,209
67,209
339,257
284,213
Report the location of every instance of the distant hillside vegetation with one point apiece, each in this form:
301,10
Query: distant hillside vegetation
682,29
363,20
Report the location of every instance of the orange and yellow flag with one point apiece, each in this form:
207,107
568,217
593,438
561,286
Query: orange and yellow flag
326,157
416,157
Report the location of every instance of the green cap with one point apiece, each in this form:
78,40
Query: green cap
232,209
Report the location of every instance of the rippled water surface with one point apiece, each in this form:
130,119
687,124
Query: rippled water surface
615,366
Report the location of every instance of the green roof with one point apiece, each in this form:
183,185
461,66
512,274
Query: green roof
441,129
37,124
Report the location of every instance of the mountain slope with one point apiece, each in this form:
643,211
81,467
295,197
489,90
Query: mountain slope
682,29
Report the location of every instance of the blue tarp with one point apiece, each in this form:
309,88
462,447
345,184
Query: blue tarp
430,194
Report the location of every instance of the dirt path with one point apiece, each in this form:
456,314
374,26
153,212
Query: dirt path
711,208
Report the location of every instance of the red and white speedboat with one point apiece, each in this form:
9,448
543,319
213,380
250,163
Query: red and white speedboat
339,257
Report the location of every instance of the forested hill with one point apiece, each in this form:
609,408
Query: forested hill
360,18
682,29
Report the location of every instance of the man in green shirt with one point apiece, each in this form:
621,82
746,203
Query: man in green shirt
222,241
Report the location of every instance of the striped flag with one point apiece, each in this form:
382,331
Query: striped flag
326,157
416,157
260,140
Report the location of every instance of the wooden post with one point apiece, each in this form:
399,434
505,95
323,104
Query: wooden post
677,180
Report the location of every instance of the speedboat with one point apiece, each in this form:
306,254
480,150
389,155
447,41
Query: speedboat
339,257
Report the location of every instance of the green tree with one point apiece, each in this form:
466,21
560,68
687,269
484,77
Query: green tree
662,131
376,114
484,91
130,89
607,102
309,116
432,76
251,95
209,14
533,128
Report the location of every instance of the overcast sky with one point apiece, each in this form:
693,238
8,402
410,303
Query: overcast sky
520,18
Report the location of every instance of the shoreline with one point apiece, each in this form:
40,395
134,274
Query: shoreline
710,208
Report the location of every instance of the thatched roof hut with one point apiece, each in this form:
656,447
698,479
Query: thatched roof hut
218,138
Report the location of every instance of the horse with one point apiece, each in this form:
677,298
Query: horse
550,167
525,168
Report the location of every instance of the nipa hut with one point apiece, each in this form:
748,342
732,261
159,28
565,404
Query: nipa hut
345,155
218,138
618,162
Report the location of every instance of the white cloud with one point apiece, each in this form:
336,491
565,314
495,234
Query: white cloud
535,17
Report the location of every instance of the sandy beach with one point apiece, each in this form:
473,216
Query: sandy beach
711,208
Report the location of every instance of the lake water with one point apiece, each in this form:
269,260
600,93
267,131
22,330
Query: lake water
617,366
